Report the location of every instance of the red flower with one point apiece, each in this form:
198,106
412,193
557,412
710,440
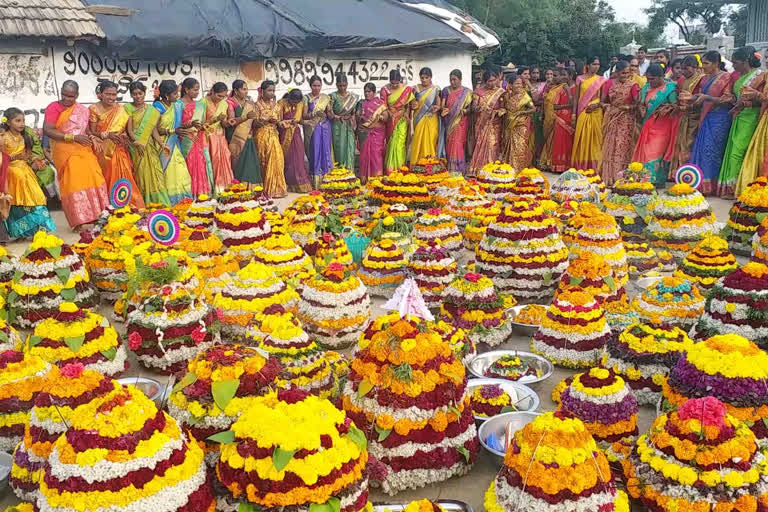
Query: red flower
235,182
198,335
167,290
160,264
73,370
336,267
708,410
472,277
327,237
315,193
434,211
134,340
219,313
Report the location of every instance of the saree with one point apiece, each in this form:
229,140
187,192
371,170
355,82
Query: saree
538,93
296,176
588,138
114,158
82,186
742,129
688,125
618,129
343,130
517,143
268,145
317,138
371,132
178,182
487,128
656,144
146,163
246,167
28,213
46,174
193,147
548,126
426,125
562,136
397,126
756,159
455,128
712,137
221,158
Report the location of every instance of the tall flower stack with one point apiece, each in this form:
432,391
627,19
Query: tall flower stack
641,258
475,229
434,269
401,187
554,464
436,226
698,458
497,180
523,253
240,223
643,355
671,301
461,206
680,218
383,268
707,262
200,214
471,303
218,386
284,256
730,368
317,458
152,464
22,377
213,261
594,275
574,331
301,216
48,274
408,393
745,216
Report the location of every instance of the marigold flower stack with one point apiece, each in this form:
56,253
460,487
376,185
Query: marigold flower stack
436,226
572,185
401,187
707,262
212,260
464,201
240,223
475,229
464,349
433,172
594,275
525,189
22,377
434,269
284,257
333,248
341,186
383,268
628,202
471,303
200,214
641,258
745,216
301,216
497,180
670,300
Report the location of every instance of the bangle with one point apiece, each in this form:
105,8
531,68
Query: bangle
68,137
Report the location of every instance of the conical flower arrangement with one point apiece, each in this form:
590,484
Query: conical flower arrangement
707,262
240,223
301,216
22,377
200,214
437,227
462,204
281,254
475,229
434,269
333,249
641,258
401,187
745,216
671,301
471,303
497,180
464,349
213,261
383,268
628,202
595,276
525,189
340,186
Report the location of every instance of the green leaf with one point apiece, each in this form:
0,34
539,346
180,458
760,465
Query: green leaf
226,437
12,296
547,277
765,422
105,322
16,277
760,217
188,380
364,388
333,505
610,282
68,294
281,458
455,410
358,437
224,391
75,342
576,281
63,274
109,353
383,433
508,408
54,251
464,452
248,507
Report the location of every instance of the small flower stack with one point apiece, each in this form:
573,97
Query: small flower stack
643,355
463,203
523,253
497,180
730,368
490,400
408,393
680,218
152,463
698,458
200,214
383,268
333,249
525,189
554,464
240,223
471,303
401,187
745,214
594,275
437,227
213,261
707,262
475,229
316,458
285,257
511,367
447,189
22,377
671,301
433,173
574,330
464,349
48,274
341,186
628,201
572,185
301,215
434,269
641,258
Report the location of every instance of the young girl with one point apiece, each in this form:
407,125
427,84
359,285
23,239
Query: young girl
29,213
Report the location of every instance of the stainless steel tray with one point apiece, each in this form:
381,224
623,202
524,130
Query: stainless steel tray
6,461
522,329
480,364
498,425
150,387
447,505
527,399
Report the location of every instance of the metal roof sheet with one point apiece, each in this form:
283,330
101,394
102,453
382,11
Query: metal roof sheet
68,19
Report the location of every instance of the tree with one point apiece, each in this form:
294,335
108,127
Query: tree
687,14
737,25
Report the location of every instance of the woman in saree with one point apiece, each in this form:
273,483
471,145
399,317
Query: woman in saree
107,125
715,100
756,159
426,118
245,159
548,121
165,142
588,137
457,102
82,186
620,107
397,97
746,114
371,131
291,115
317,132
656,143
268,141
193,143
146,163
342,115
488,106
561,134
39,162
539,87
28,213
517,141
688,86
216,118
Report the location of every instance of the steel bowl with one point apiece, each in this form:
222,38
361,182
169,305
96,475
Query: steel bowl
6,461
150,387
644,283
497,427
527,330
447,505
527,399
480,364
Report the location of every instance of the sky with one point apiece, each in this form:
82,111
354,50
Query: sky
630,10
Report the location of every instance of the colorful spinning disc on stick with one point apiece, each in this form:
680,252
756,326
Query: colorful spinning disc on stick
690,175
163,227
120,195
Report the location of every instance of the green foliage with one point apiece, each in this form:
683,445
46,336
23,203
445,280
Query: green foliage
687,14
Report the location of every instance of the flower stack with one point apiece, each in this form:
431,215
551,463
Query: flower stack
511,367
434,269
463,203
433,172
383,268
525,189
523,253
745,216
698,458
240,223
628,203
48,274
447,188
401,187
200,214
436,226
730,368
553,463
340,186
301,215
471,303
7,268
317,458
490,400
22,377
220,383
54,407
574,330
497,180
213,261
707,263
760,243
152,463
155,269
333,249
475,229
641,258
284,256
572,185
619,314
407,392
594,275
250,292
643,355
397,211
679,219
671,301
596,181
738,304
464,349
